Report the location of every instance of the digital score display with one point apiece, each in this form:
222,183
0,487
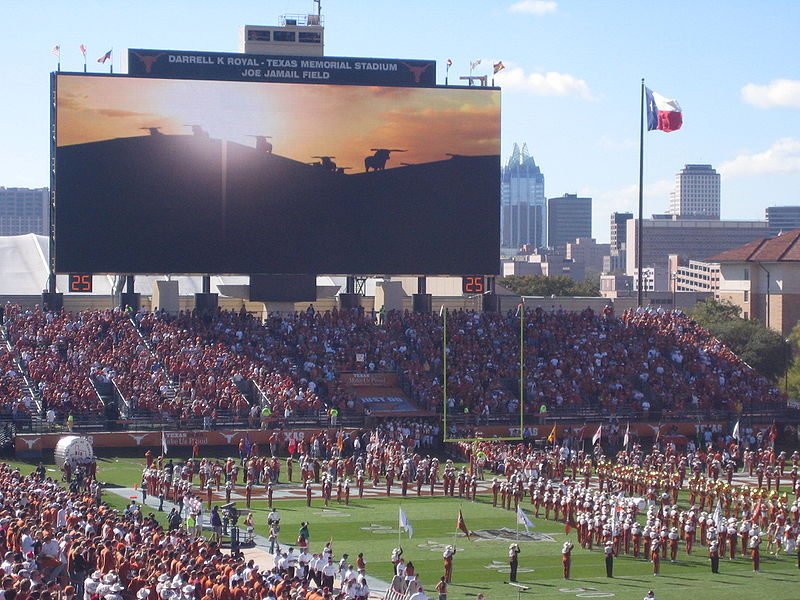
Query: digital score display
80,283
473,284
242,199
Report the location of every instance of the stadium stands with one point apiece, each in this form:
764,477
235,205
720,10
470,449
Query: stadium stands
638,365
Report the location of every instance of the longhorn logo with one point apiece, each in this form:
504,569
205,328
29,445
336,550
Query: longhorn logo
416,71
148,60
228,436
138,438
30,441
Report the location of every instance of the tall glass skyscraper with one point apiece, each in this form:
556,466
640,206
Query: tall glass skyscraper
523,206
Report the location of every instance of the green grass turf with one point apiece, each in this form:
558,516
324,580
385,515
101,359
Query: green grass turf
370,526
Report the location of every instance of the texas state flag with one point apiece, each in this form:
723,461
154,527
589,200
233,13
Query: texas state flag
662,113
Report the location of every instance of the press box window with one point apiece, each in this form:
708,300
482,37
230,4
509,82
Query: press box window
283,36
309,37
255,35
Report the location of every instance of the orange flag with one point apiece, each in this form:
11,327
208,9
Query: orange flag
552,437
460,524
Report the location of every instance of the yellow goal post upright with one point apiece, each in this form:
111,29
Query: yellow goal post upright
443,312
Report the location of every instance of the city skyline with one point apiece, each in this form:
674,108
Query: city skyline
571,83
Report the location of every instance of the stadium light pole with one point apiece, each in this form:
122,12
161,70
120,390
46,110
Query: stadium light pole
443,313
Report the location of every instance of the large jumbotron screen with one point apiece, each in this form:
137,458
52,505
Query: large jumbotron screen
189,176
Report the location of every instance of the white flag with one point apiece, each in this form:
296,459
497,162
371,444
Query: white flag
597,435
164,442
735,434
717,517
522,519
405,525
615,514
627,437
474,64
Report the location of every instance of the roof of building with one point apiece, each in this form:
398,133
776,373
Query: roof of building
783,248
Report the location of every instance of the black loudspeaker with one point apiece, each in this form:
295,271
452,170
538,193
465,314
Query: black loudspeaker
422,303
130,300
206,304
491,303
52,302
349,301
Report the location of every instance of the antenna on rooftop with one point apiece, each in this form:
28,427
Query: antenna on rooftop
319,7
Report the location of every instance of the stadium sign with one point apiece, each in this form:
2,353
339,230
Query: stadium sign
225,66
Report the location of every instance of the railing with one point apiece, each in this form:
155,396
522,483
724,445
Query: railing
258,393
123,404
230,420
30,388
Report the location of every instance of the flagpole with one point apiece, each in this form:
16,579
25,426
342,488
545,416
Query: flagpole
111,58
399,543
640,233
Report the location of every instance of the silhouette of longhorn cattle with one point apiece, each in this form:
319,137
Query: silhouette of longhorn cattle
262,145
326,163
377,162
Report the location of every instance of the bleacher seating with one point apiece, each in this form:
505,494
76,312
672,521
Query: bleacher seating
576,364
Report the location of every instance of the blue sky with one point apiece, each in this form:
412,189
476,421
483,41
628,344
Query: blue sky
570,90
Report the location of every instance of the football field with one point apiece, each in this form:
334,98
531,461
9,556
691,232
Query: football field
481,562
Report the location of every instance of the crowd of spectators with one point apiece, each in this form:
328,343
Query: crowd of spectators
293,364
61,544
13,400
69,355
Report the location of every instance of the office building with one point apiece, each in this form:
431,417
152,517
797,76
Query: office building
619,226
690,239
693,275
568,218
588,252
24,210
522,202
615,260
547,265
696,193
783,219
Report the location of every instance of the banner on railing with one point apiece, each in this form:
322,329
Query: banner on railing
48,441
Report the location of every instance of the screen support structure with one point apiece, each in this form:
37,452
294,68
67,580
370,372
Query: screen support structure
51,259
445,434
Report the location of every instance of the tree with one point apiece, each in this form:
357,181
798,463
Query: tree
553,285
768,353
714,311
793,375
793,379
761,348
